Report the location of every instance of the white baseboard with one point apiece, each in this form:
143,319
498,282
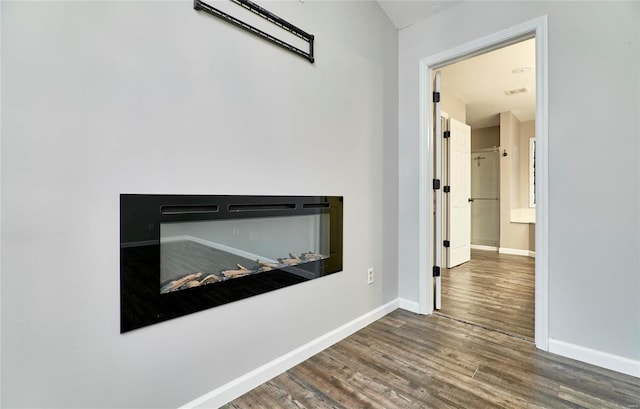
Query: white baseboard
483,247
410,306
594,357
239,386
516,252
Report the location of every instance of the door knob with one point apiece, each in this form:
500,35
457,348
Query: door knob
470,200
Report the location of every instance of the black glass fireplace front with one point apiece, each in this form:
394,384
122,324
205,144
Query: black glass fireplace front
185,253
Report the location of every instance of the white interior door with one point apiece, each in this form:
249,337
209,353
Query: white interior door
459,209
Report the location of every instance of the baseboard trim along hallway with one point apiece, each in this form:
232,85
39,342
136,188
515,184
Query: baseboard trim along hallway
408,305
516,252
485,248
258,376
591,356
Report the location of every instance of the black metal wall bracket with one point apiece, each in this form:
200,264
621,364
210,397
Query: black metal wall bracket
267,15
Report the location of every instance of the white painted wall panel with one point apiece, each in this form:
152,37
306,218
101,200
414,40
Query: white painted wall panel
103,98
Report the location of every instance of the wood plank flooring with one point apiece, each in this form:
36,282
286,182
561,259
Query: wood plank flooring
493,290
405,360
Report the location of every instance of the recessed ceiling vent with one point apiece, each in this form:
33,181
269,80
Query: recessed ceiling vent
516,91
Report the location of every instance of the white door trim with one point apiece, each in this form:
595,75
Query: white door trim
535,28
438,220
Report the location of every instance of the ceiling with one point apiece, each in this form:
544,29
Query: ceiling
481,83
404,13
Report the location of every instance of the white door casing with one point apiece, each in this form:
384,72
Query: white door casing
437,193
538,29
459,211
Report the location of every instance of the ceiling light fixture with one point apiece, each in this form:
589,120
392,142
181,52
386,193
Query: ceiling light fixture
516,91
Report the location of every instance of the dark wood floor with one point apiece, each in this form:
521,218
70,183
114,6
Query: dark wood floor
493,290
405,360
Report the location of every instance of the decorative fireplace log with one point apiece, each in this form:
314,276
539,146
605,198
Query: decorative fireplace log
241,271
291,261
189,284
303,258
311,256
176,284
266,266
211,278
191,280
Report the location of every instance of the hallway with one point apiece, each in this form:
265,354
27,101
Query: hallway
495,291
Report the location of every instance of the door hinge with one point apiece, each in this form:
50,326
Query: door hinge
446,134
436,271
436,184
446,243
447,189
436,97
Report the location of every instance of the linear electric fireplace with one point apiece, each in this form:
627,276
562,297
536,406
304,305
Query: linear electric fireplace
185,253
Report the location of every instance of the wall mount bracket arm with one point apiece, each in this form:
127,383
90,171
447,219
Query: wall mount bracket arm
267,15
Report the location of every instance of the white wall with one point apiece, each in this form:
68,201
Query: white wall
594,241
154,97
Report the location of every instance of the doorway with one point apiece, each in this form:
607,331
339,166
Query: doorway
534,29
479,207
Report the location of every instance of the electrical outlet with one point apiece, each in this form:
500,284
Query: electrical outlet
370,275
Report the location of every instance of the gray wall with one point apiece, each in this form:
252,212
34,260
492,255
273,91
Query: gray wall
594,239
101,98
